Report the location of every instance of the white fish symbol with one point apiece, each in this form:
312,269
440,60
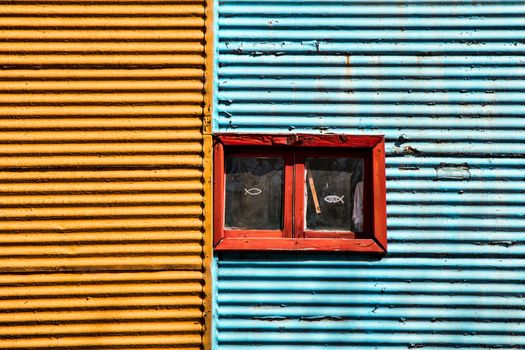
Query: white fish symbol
254,191
334,199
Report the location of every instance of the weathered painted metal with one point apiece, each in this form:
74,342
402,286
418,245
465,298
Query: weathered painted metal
101,171
444,82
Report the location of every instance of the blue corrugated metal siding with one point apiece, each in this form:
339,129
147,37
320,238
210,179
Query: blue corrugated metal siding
445,82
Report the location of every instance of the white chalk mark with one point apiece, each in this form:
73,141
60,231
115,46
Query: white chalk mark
254,191
332,199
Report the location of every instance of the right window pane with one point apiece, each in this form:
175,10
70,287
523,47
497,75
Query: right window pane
334,194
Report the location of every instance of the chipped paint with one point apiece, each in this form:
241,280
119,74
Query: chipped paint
453,172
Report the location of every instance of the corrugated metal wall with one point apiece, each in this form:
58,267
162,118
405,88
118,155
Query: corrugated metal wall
101,174
444,81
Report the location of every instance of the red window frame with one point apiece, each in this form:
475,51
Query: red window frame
294,149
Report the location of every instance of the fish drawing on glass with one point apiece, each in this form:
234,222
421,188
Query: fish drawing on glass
332,199
254,191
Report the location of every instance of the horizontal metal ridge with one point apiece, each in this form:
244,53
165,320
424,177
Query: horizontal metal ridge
108,148
351,34
183,185
97,315
74,278
362,22
144,74
374,273
108,82
420,326
382,9
108,9
94,237
393,286
101,160
99,59
110,135
98,329
130,249
343,60
385,311
374,83
191,341
134,288
145,196
99,47
102,224
105,175
91,123
365,338
98,263
94,22
91,110
93,35
68,98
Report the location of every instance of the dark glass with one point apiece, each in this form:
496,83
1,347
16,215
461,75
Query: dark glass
254,193
337,204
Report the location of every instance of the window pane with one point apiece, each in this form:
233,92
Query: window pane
334,194
254,193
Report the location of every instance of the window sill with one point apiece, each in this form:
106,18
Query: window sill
302,244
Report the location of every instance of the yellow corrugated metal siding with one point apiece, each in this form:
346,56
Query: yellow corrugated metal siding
101,174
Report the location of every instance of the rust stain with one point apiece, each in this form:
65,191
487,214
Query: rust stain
409,150
348,65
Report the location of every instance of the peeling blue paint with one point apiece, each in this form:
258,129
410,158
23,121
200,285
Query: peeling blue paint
444,81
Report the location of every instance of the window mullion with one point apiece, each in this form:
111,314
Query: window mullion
299,208
288,195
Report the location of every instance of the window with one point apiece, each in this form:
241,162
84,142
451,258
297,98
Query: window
299,192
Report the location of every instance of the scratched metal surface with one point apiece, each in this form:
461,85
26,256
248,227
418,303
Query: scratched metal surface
101,174
444,82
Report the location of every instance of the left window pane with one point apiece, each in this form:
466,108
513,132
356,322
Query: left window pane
254,193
